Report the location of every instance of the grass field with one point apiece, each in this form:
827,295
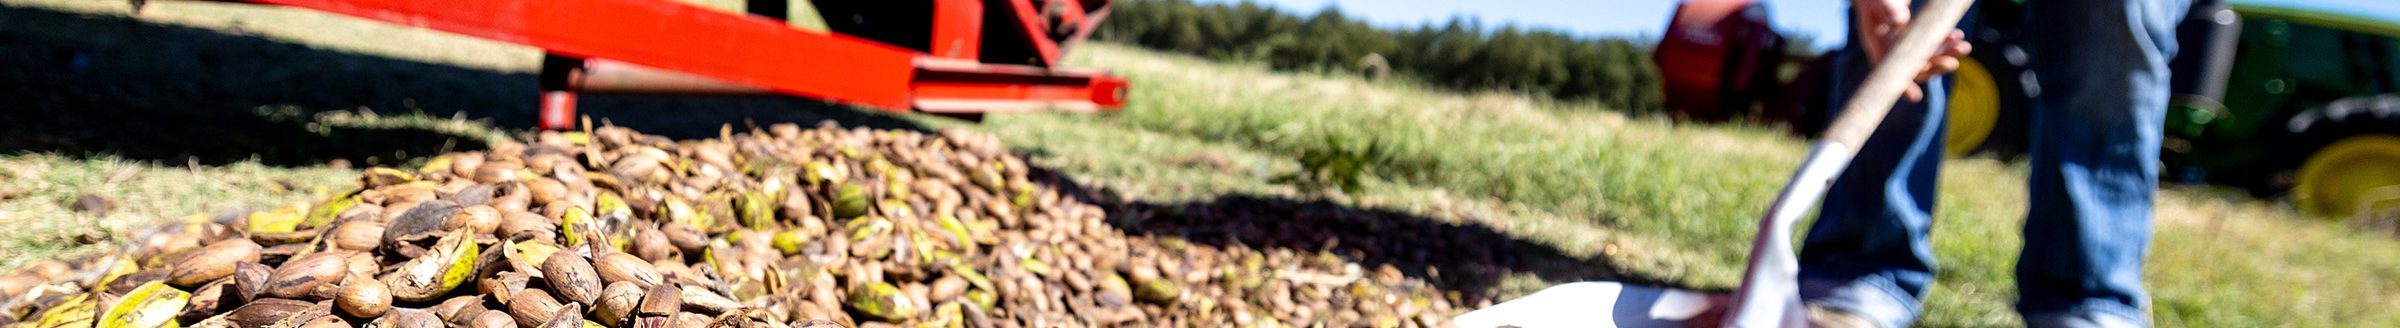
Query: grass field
277,93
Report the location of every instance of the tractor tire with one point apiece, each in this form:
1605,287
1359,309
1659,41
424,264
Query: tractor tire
1990,103
2347,169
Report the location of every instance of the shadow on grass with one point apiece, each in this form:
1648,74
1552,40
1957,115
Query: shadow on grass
1470,258
90,85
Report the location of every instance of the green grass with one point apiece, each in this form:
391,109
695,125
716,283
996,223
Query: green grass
38,188
35,190
1662,202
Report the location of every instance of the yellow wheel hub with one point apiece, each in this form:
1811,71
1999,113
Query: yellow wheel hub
2358,173
1974,107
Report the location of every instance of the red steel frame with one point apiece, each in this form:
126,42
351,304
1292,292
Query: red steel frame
677,48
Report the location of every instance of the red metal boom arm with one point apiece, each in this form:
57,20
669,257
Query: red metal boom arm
766,53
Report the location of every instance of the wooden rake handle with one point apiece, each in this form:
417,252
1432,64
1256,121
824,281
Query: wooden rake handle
1769,294
1891,78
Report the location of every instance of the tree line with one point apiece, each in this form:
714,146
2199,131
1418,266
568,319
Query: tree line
1461,53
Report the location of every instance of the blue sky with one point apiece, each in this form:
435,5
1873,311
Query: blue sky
1646,18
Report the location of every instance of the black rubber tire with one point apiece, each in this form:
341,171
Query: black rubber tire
2016,84
2312,130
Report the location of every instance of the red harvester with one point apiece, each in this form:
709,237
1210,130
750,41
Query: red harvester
952,57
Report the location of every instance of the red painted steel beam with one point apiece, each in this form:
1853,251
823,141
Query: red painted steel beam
949,86
1070,12
673,36
952,86
957,29
1083,31
616,77
656,46
1029,20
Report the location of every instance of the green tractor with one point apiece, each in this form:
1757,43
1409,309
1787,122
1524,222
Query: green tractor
2274,98
2279,99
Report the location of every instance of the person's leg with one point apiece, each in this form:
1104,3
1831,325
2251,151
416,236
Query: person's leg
2103,69
1866,254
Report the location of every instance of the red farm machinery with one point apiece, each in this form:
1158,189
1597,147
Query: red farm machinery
949,57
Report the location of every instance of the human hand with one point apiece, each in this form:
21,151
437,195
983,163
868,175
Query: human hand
1880,23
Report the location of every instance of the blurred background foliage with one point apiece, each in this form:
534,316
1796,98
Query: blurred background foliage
1461,53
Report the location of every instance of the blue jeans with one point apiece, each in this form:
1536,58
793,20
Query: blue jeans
2096,127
